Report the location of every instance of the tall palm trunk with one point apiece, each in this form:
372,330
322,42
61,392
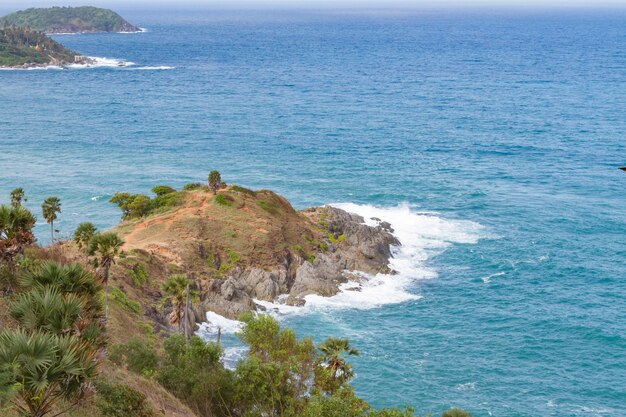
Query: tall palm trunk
179,311
106,292
52,232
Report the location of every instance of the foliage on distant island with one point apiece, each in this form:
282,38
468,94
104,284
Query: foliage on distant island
22,46
68,20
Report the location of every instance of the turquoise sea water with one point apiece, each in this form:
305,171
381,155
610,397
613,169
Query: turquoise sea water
490,140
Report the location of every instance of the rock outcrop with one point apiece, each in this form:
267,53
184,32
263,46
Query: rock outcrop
351,246
244,245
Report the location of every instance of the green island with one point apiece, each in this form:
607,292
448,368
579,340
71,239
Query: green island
105,324
26,48
85,19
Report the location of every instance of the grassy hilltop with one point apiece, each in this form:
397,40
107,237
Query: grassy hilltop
68,20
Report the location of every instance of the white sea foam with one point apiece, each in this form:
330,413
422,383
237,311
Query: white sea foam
141,30
215,322
466,386
48,67
99,62
155,68
421,234
487,279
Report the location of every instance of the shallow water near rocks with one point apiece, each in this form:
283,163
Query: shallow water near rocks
489,140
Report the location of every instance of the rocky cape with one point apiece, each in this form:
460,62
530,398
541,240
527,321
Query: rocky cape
352,249
242,246
22,48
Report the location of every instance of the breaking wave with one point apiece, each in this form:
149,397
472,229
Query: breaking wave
422,235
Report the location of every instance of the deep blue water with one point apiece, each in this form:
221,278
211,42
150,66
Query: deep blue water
512,121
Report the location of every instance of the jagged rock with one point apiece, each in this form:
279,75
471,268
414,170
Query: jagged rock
362,248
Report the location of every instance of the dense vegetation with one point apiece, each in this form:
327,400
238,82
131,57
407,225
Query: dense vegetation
139,205
61,352
68,20
22,46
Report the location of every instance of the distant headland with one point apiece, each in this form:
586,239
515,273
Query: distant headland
23,48
56,20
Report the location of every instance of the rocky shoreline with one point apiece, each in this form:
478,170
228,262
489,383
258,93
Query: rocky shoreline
362,249
79,60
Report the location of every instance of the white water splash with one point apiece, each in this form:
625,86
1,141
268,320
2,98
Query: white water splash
422,235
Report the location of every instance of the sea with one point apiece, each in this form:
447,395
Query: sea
489,139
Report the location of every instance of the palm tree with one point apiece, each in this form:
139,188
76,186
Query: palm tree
83,235
48,368
70,278
106,246
16,232
50,208
62,299
176,290
17,196
46,309
332,351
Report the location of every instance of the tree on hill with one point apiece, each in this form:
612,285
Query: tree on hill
16,233
339,371
17,196
132,205
83,235
62,299
48,368
175,288
215,181
50,208
107,247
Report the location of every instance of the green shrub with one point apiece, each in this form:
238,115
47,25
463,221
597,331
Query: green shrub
121,298
336,240
192,371
243,190
163,189
233,258
136,355
139,274
193,186
455,412
271,209
297,248
223,200
323,246
118,400
165,201
139,205
132,205
148,331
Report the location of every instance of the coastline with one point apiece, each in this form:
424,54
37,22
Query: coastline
89,32
87,62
